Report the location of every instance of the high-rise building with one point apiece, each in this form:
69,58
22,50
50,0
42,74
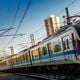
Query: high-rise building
52,24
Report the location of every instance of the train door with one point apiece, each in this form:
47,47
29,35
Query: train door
67,47
49,46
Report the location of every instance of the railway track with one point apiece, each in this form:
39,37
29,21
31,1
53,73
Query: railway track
36,76
11,76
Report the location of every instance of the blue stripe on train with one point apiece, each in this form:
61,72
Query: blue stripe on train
62,53
56,55
44,57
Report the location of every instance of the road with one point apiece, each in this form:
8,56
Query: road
7,76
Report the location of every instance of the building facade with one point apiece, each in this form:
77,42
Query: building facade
52,25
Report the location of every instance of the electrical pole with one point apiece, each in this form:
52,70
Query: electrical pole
32,39
12,50
67,15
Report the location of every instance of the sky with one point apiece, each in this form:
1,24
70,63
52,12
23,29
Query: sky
33,22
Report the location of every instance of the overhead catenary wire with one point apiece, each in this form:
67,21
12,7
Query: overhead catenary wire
6,31
17,9
37,31
25,14
77,13
56,15
23,17
20,21
71,3
67,7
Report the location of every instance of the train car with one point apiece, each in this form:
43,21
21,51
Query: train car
16,61
5,64
25,57
61,49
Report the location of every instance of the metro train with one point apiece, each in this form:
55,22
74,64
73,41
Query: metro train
61,48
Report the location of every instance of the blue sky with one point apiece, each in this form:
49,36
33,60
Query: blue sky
34,19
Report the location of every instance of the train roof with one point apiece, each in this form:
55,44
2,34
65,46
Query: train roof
23,50
51,36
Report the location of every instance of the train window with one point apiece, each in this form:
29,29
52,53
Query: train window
26,56
23,57
19,59
32,54
67,42
44,49
40,51
9,62
64,45
57,46
16,60
49,48
35,54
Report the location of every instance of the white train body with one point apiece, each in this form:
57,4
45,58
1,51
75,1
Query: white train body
60,48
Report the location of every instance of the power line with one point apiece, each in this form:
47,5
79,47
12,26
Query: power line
56,15
71,3
41,37
37,30
20,21
60,12
66,6
77,13
26,12
6,30
23,17
17,9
